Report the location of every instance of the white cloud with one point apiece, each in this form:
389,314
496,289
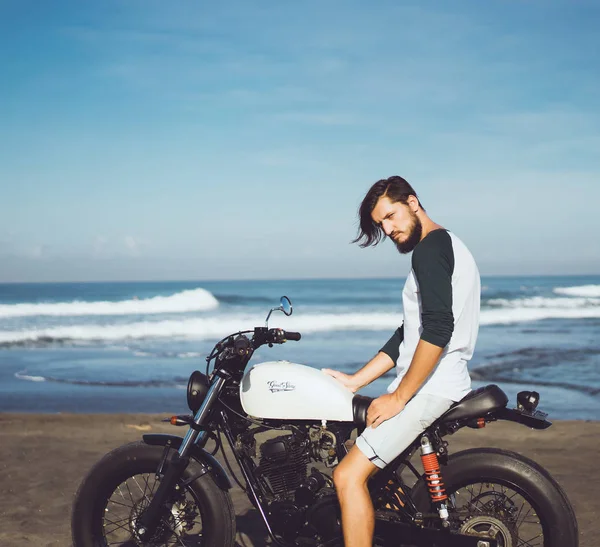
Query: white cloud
133,245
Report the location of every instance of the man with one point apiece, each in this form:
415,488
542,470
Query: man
430,350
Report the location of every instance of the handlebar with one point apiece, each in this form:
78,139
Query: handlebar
279,336
263,335
239,346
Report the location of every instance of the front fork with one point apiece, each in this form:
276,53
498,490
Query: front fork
148,521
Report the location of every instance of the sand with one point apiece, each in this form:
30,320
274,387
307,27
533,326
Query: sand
43,458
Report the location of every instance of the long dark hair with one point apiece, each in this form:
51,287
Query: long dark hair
395,189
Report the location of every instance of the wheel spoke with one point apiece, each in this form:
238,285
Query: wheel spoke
174,533
121,504
531,520
130,494
117,527
121,493
117,522
519,513
527,543
142,491
499,510
526,515
181,525
148,486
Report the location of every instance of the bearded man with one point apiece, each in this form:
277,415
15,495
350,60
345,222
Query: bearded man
430,350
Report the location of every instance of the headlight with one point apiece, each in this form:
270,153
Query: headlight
197,389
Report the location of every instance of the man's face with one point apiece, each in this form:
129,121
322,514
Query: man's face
399,223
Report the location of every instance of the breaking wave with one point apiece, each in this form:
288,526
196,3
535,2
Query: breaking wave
210,328
185,301
505,316
543,303
587,291
197,328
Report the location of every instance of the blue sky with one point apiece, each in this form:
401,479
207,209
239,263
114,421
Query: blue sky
196,140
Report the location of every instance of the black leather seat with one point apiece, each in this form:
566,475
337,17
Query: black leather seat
477,403
474,405
360,405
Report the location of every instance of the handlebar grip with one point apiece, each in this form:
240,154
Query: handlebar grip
288,335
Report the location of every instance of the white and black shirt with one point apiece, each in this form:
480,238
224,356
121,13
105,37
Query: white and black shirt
441,305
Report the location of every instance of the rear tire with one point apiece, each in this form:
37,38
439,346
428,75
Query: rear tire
116,471
519,474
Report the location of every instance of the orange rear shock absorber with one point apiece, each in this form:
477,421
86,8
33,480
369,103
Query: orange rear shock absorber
433,476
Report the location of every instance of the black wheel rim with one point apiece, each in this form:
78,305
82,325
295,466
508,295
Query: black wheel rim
498,509
181,526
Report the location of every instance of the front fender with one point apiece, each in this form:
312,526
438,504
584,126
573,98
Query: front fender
211,463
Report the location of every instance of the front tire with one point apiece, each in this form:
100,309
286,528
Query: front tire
501,471
121,485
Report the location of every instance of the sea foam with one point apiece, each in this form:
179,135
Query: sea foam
215,327
588,291
542,302
185,301
200,328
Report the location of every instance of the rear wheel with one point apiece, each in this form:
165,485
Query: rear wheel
120,486
502,495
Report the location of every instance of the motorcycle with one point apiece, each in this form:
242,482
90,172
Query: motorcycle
170,490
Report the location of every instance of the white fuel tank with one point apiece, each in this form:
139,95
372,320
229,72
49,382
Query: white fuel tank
289,391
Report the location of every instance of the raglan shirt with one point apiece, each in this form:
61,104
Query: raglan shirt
441,300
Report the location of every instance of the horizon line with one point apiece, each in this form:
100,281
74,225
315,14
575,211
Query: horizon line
226,279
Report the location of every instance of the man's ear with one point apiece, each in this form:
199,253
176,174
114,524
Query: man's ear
413,203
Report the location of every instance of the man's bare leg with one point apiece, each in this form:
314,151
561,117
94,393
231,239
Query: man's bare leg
358,517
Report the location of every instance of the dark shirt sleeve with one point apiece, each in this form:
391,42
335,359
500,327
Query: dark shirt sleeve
433,264
392,346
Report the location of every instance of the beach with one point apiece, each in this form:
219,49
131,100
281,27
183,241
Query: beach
43,458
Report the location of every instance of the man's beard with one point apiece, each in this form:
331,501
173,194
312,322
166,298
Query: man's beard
414,236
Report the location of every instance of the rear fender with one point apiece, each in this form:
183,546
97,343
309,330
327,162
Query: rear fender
535,419
208,461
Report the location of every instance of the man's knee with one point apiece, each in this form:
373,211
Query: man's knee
341,476
346,474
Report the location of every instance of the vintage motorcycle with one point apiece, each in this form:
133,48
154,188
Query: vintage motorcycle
169,490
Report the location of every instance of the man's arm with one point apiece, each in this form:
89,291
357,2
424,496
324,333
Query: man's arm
433,264
424,360
392,346
384,360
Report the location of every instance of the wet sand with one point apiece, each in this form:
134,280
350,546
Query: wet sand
43,458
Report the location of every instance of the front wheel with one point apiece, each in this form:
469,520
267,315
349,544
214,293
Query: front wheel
120,486
503,495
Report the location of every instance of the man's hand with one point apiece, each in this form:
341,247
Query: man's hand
383,408
347,380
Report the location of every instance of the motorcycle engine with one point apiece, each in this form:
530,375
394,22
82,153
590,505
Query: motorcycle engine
302,504
282,465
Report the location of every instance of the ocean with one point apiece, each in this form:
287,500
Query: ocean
130,347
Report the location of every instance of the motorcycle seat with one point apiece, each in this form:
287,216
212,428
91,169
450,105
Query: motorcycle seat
360,405
475,404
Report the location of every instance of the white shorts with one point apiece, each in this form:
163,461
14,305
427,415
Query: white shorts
382,444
